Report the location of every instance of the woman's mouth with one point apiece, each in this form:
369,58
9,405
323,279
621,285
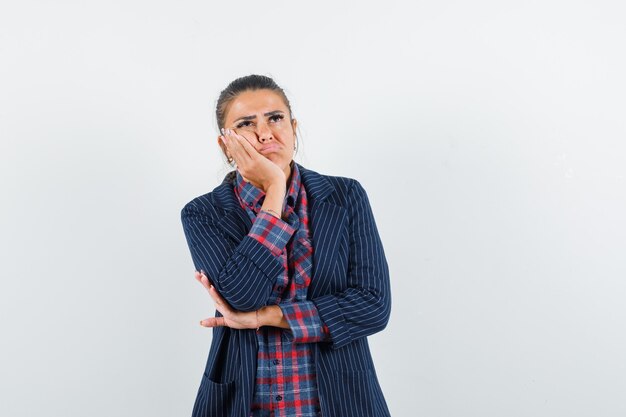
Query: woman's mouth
269,148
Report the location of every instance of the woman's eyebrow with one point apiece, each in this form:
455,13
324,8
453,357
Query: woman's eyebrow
271,113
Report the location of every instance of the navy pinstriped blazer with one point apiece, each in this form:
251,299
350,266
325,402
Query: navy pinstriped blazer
350,287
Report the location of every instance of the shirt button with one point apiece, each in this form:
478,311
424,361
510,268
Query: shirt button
278,398
276,361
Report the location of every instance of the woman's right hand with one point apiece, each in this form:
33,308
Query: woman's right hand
253,166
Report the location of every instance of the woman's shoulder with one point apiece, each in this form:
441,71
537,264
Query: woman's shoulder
213,202
350,189
344,188
343,183
200,206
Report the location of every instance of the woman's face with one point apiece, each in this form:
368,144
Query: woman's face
262,118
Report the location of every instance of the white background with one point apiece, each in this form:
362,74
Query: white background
488,135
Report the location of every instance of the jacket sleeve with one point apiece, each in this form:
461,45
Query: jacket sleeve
364,307
244,274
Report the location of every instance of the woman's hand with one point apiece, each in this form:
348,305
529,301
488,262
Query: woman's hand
253,166
232,318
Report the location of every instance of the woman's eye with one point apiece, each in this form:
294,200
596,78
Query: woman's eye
274,118
244,123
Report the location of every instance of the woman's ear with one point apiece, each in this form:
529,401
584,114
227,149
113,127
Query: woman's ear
222,146
294,125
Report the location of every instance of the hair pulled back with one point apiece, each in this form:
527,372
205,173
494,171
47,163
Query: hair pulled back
247,83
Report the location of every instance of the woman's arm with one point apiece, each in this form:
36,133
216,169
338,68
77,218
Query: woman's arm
265,316
300,319
304,325
244,274
272,316
364,307
301,325
360,310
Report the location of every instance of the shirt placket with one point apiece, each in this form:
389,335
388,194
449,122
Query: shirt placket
276,349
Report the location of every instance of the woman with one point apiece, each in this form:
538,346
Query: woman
295,265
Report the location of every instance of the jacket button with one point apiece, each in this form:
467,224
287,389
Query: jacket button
278,398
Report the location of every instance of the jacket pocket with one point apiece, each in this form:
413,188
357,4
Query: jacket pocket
354,393
214,399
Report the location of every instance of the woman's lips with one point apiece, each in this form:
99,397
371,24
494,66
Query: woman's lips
269,148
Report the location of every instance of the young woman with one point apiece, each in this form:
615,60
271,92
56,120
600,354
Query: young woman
294,263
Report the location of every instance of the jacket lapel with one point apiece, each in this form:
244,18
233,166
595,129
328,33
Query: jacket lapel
326,221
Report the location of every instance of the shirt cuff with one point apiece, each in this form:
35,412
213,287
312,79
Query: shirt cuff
305,324
271,231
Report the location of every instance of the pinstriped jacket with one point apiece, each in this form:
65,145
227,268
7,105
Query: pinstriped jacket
350,287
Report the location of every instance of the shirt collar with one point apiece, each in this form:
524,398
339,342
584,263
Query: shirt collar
253,197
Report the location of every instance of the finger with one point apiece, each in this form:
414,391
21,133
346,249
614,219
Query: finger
228,140
225,146
233,150
236,147
219,301
247,146
203,279
213,322
198,277
214,296
222,309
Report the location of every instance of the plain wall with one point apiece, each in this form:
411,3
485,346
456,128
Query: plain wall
490,137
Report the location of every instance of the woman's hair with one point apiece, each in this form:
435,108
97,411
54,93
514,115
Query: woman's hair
242,84
248,83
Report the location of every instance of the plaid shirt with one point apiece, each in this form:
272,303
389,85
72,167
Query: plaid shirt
286,383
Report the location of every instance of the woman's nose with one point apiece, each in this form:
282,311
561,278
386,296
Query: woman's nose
264,133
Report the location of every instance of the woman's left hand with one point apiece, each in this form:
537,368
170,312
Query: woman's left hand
232,318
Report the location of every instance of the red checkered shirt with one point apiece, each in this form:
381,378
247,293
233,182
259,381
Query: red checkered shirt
286,383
